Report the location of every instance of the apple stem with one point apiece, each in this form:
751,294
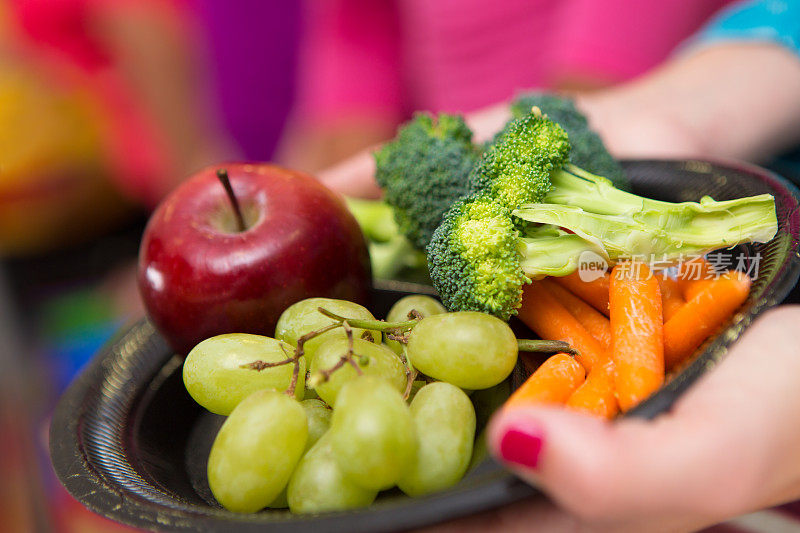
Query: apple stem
222,174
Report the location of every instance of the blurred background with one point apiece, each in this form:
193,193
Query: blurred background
106,106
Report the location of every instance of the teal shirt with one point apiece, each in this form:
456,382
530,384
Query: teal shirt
776,21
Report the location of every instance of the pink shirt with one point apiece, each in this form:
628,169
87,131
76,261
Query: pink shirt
390,57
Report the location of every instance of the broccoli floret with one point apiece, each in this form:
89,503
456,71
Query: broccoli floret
473,258
588,150
474,255
516,169
495,240
424,170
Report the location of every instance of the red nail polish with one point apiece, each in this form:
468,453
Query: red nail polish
522,446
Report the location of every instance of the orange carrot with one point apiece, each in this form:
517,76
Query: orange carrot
542,312
590,318
593,292
692,271
637,329
552,383
702,315
693,288
596,395
671,298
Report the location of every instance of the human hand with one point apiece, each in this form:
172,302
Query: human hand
709,102
730,445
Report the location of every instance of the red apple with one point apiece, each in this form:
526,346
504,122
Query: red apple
200,276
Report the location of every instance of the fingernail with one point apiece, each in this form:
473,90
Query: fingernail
522,445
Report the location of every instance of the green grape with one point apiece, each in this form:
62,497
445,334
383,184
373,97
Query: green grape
444,420
319,420
319,485
479,451
468,349
303,317
372,433
214,377
424,305
381,362
256,451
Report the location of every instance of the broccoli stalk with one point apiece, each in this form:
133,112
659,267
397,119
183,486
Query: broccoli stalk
670,233
390,252
619,224
550,251
488,247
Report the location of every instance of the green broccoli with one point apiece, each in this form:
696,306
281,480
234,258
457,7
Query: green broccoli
424,170
588,150
473,258
499,237
517,168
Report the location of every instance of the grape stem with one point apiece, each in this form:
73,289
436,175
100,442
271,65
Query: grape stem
295,373
415,315
545,346
348,358
376,325
411,372
259,365
403,338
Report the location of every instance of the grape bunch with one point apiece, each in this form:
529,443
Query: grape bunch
340,406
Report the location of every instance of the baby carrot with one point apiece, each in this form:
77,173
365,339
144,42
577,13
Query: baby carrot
590,318
542,312
596,395
693,271
693,288
637,328
593,292
702,315
671,299
552,383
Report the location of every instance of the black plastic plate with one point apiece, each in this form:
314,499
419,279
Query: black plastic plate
128,442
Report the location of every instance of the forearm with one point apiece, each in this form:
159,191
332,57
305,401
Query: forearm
730,100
